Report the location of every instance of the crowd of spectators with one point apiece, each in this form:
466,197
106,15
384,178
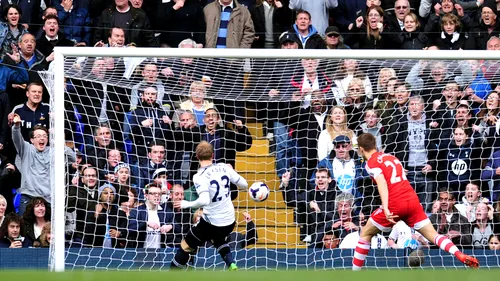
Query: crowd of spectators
132,123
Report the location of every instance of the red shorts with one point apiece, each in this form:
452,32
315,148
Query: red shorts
409,211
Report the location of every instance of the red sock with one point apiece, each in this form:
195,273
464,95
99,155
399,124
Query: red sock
362,250
445,244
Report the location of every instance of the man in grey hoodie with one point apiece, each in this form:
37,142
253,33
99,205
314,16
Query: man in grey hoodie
33,161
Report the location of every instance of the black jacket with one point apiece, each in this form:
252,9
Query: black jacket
307,131
182,218
187,22
361,40
326,203
184,74
138,29
142,135
448,43
98,156
458,223
281,18
5,242
81,201
413,40
229,143
481,36
398,144
46,47
96,228
314,42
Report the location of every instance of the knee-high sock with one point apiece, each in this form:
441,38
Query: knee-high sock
180,260
445,244
362,250
225,253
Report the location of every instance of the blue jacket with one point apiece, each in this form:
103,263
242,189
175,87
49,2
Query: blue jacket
138,222
75,24
481,88
489,174
146,171
14,75
344,182
5,243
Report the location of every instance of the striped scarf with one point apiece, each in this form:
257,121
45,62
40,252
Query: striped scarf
224,22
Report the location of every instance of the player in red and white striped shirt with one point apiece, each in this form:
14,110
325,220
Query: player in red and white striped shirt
399,202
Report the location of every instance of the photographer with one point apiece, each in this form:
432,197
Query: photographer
12,232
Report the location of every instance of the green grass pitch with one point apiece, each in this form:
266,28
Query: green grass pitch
340,275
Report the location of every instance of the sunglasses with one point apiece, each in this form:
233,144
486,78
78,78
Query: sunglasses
401,7
344,145
333,35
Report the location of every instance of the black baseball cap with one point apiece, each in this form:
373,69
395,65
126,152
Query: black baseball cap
289,37
332,30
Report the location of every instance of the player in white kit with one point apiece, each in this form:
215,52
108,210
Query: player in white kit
212,183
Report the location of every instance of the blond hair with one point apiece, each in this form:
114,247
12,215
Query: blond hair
46,230
204,151
343,130
197,85
447,18
386,70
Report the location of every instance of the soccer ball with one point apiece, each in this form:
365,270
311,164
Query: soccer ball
259,191
416,258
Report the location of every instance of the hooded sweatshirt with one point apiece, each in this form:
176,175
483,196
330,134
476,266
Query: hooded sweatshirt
35,166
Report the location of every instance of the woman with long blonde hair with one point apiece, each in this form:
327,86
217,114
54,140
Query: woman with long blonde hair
336,125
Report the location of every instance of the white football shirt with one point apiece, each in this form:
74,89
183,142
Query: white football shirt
401,233
351,240
216,179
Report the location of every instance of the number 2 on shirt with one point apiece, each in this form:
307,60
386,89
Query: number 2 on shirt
216,184
394,174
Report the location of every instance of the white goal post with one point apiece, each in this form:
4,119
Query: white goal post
57,99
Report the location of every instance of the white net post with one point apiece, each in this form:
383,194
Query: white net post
266,215
58,176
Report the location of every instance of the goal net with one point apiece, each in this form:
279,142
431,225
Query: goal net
287,118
